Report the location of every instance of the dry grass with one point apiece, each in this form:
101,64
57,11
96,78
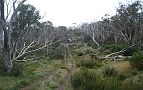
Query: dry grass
121,66
124,67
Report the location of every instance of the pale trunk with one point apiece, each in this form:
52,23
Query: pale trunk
8,65
93,38
7,52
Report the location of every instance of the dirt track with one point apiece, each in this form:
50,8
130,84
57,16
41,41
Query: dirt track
66,80
64,83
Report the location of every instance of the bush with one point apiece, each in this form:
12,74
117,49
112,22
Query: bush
114,47
79,53
84,80
53,84
108,83
130,51
109,71
133,83
137,60
118,47
91,51
56,53
84,50
17,70
23,83
88,64
92,44
87,79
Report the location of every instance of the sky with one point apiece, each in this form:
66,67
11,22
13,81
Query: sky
75,12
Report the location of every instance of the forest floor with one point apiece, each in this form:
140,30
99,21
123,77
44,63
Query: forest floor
45,74
68,62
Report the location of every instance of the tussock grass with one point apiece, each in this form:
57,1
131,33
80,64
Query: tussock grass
31,71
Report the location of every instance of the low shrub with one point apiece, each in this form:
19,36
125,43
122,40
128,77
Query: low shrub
84,51
137,60
79,53
88,64
133,83
91,51
130,51
91,44
87,79
122,76
23,83
114,47
17,71
108,83
118,47
84,80
56,53
53,84
109,71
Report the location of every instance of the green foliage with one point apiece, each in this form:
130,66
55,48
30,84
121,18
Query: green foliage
84,80
107,84
53,84
27,72
23,83
79,45
87,38
137,60
26,15
127,20
87,79
17,70
130,51
88,64
118,47
114,47
56,53
83,49
91,51
109,71
79,53
77,33
133,83
92,44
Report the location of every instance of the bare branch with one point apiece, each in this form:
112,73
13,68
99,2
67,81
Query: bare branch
23,51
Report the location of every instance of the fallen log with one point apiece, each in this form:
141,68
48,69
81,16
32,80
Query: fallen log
117,53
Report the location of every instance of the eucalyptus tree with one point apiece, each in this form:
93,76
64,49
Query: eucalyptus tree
23,16
26,17
128,21
95,31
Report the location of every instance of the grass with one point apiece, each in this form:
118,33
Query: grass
119,75
89,74
31,71
113,76
53,82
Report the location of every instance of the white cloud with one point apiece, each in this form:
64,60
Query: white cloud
66,12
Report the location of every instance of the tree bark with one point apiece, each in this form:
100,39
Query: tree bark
8,65
7,51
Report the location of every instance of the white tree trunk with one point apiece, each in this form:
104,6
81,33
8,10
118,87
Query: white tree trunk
93,38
